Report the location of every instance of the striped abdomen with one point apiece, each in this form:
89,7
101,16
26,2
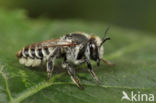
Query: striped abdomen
33,55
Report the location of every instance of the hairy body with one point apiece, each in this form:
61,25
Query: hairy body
75,48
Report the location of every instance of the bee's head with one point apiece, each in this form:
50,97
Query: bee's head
96,47
94,52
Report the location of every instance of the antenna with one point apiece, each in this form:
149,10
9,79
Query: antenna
104,38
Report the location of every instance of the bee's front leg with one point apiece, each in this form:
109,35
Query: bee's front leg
90,69
107,62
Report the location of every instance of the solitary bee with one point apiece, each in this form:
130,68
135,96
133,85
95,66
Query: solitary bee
73,48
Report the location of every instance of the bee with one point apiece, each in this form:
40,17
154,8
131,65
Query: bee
73,48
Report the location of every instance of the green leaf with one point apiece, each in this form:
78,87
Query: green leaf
132,51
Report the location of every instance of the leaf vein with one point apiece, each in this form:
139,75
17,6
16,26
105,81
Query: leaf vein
6,83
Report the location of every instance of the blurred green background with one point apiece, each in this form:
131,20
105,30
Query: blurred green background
135,14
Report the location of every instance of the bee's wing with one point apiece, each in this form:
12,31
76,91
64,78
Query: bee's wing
57,42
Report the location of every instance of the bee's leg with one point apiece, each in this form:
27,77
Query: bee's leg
50,63
75,79
90,69
50,67
107,62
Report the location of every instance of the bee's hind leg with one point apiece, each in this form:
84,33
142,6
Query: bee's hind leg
75,79
90,69
50,63
50,67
